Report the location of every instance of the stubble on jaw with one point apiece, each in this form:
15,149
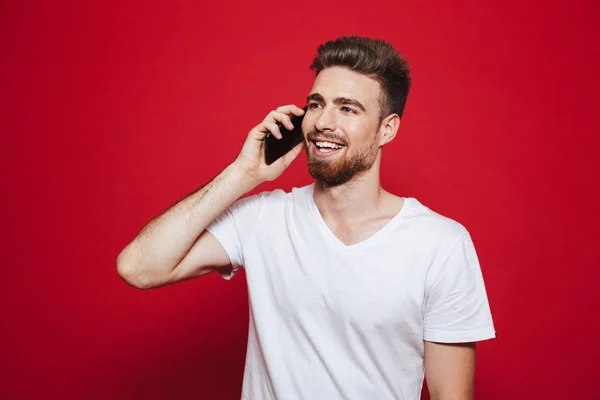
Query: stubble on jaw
338,172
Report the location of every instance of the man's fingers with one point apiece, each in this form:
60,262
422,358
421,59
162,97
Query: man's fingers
291,109
273,128
280,117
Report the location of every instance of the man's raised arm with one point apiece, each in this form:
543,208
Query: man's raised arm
176,246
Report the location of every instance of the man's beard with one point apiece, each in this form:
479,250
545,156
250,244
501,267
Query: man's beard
342,170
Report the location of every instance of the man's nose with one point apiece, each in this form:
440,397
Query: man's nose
326,121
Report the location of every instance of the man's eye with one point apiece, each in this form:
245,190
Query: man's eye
348,110
314,105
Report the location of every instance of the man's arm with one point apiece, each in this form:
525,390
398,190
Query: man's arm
450,370
176,246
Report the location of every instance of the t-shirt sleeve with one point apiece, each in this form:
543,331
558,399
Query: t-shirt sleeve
456,306
232,228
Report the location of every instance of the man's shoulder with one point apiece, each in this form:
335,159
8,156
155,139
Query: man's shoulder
272,199
432,222
281,195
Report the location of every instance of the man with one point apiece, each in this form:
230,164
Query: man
355,293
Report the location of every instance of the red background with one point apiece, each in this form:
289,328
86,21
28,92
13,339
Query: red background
111,111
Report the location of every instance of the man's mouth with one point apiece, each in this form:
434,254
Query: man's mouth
322,148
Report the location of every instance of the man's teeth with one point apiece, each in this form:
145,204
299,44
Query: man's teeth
329,145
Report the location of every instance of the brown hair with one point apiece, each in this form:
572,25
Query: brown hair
374,58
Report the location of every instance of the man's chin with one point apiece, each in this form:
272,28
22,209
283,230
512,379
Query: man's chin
328,175
337,169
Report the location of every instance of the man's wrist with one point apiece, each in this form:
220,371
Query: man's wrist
238,176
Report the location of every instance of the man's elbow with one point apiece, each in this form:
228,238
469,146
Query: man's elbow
131,273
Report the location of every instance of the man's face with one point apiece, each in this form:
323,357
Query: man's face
341,125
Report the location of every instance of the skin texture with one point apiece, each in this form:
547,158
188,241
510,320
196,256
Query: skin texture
343,108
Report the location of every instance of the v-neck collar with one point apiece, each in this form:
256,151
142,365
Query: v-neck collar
335,242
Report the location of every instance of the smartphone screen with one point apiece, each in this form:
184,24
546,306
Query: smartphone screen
276,148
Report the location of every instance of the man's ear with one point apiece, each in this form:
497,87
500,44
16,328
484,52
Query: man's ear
388,129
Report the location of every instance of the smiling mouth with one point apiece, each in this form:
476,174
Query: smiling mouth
325,147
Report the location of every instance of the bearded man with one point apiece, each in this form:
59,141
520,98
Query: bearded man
354,292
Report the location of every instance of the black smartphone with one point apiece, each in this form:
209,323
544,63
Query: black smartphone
275,148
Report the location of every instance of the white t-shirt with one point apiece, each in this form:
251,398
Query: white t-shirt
330,321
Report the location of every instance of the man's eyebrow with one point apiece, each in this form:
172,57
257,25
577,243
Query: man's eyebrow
315,97
349,102
337,100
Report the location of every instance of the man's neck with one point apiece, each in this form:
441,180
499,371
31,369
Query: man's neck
353,201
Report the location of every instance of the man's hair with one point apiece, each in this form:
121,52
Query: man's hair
374,58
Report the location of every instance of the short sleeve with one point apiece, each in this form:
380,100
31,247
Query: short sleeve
232,228
456,306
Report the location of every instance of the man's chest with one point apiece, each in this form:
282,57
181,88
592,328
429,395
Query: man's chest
382,288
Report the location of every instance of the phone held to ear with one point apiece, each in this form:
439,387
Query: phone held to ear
276,148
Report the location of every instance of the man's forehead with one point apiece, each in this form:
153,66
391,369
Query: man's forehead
335,82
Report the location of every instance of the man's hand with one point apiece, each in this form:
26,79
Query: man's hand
251,159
